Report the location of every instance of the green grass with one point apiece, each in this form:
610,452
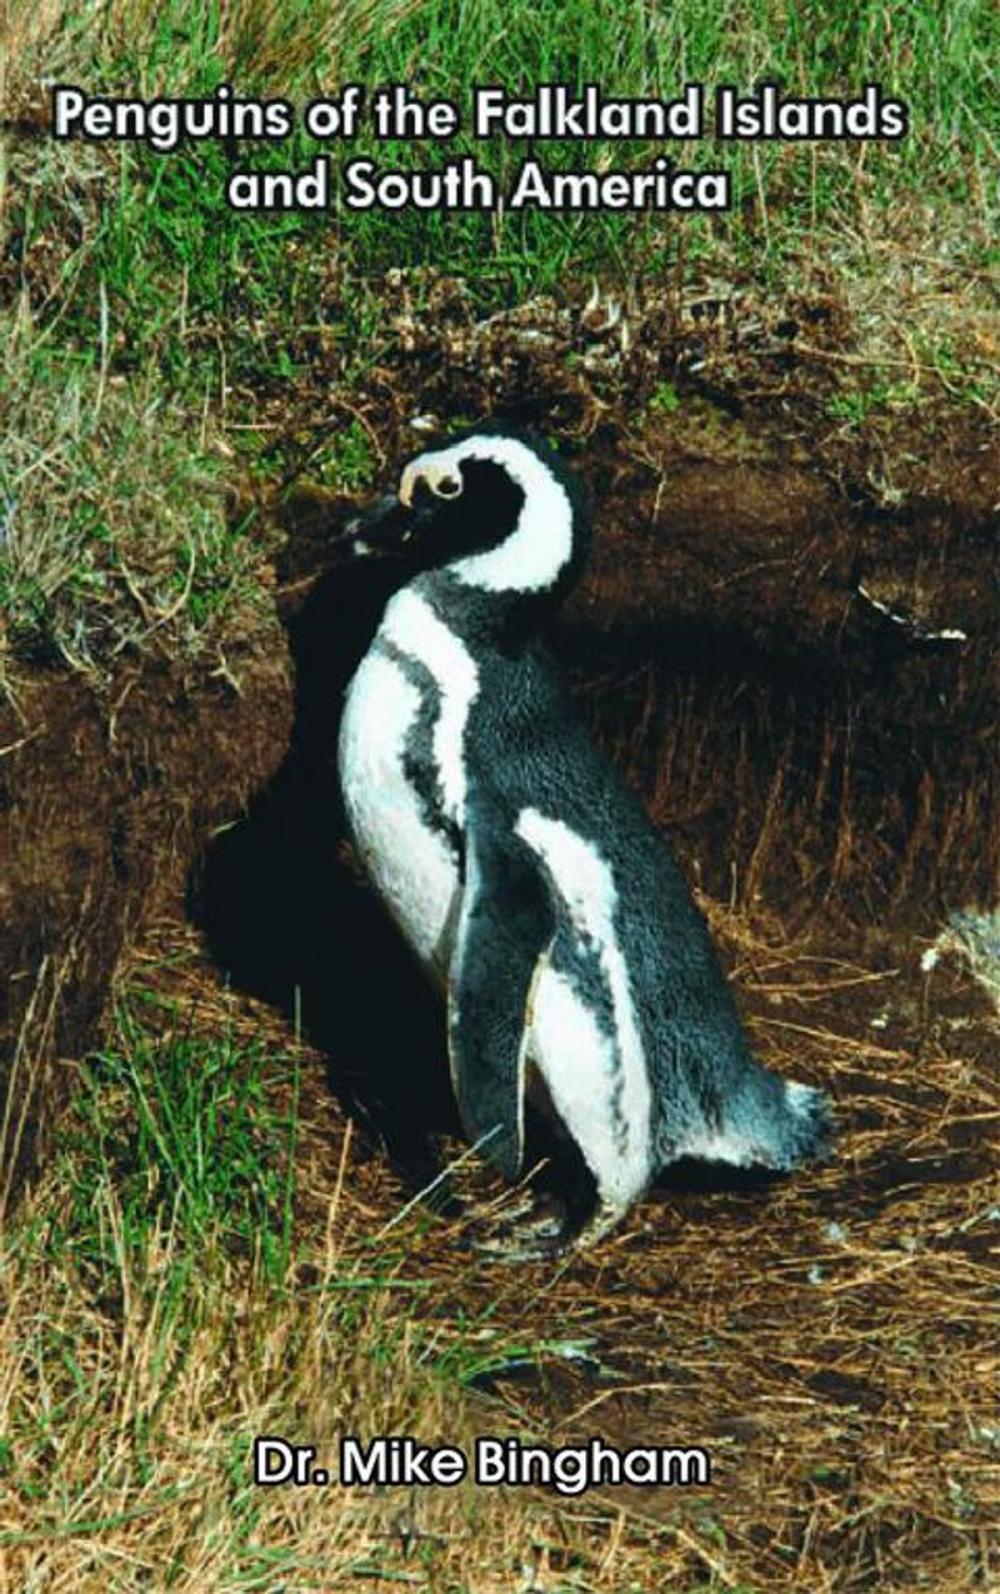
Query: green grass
181,1129
163,222
857,403
170,1195
665,399
348,461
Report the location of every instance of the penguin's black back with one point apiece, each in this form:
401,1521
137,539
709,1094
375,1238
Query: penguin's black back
527,748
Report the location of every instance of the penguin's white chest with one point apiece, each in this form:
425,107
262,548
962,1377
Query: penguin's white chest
401,767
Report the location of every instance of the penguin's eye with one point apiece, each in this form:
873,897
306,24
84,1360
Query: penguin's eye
428,479
447,487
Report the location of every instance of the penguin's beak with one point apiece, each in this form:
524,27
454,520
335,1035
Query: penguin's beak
385,529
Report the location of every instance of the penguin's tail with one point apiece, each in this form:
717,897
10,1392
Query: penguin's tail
804,1128
768,1122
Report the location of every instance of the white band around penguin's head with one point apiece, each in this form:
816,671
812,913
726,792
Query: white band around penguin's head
440,475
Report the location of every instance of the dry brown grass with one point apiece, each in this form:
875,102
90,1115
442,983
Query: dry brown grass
832,1341
266,43
128,1420
114,528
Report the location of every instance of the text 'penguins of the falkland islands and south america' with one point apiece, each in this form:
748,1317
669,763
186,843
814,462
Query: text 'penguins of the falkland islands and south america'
522,870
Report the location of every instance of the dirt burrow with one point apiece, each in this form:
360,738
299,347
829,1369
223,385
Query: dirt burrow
106,795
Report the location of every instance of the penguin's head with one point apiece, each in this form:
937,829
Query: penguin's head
495,508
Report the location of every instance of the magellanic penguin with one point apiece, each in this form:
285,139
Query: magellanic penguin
524,873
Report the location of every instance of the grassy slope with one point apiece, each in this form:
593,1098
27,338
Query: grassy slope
176,1287
136,277
143,325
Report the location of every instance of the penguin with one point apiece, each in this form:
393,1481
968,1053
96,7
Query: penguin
523,871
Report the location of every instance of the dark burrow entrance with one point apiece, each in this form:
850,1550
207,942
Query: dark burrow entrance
289,918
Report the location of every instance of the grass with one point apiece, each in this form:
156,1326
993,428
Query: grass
166,1304
942,65
116,536
182,1131
150,323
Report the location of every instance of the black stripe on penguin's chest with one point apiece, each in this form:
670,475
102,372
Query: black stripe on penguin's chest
420,767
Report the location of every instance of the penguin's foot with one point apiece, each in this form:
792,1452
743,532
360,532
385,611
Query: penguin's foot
548,1234
524,1208
520,1238
607,1217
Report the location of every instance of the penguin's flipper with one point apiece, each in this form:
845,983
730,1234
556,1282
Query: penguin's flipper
504,930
